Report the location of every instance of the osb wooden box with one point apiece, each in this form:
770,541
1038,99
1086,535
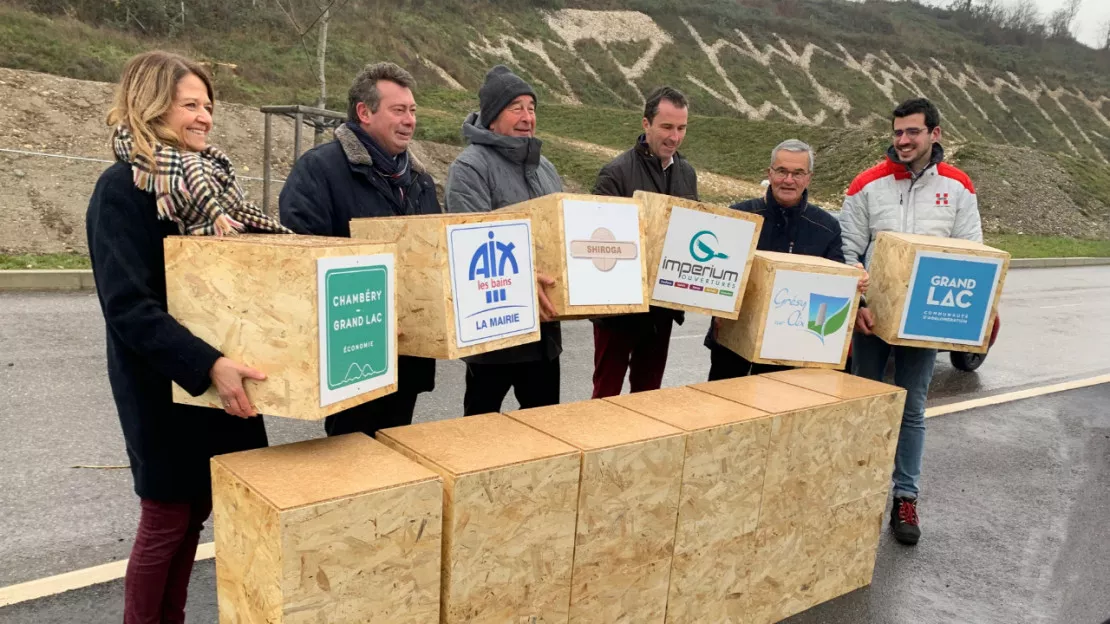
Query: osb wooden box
722,485
698,255
825,485
797,311
627,507
936,293
509,511
294,307
593,247
334,530
466,283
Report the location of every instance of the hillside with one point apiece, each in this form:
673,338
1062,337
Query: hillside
1029,122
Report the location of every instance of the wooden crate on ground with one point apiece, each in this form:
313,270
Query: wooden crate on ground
466,283
333,530
315,314
509,512
826,481
718,513
936,293
593,247
627,507
797,311
698,255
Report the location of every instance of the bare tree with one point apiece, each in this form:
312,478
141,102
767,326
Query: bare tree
1023,17
1105,32
1059,23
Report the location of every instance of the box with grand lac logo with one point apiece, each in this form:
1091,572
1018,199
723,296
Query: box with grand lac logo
466,283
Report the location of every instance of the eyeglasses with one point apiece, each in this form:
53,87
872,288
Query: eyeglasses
912,133
781,174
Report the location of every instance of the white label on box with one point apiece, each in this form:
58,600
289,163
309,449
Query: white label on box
807,319
492,280
703,260
603,253
358,328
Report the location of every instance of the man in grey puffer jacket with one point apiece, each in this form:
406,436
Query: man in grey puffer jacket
501,166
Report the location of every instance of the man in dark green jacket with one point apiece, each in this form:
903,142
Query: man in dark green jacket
638,343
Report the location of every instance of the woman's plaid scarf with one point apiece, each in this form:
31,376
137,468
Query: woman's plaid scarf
195,190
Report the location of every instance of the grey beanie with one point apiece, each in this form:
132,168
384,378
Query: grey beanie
499,90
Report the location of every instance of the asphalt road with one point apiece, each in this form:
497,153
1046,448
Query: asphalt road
56,410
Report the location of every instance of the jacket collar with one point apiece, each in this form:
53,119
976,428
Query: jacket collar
644,151
935,158
798,210
358,155
524,151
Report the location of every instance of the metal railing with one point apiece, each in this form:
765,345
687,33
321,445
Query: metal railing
319,119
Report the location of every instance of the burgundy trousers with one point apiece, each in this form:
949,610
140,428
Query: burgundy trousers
157,581
643,355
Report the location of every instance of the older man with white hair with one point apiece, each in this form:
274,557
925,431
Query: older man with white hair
790,225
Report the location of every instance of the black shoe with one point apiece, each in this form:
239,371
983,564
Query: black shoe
903,521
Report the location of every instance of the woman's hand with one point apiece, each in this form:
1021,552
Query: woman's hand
228,375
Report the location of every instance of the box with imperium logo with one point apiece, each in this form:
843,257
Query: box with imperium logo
797,311
466,283
698,254
592,246
932,292
316,314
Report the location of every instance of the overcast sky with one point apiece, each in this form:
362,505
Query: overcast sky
1089,27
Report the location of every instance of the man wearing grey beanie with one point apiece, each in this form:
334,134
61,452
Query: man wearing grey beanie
501,166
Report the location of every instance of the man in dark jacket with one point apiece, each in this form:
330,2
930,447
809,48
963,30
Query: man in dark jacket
501,166
367,171
790,225
638,343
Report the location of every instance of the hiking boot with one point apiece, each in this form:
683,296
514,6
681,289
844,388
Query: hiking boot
903,521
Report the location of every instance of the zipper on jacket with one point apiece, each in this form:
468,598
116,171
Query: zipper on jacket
791,248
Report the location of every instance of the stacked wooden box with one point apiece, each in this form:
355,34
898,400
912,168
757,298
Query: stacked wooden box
745,500
341,529
509,511
627,506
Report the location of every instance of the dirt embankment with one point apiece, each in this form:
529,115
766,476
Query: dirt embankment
43,199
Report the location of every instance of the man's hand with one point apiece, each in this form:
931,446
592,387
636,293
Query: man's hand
864,281
228,375
864,321
547,309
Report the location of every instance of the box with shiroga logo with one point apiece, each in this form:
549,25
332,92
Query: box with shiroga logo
466,283
316,314
698,254
932,292
592,246
797,311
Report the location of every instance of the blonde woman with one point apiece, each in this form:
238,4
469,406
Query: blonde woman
167,180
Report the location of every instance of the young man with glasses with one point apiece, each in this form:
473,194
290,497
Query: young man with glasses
912,191
790,225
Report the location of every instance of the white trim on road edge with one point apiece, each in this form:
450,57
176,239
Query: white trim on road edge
51,585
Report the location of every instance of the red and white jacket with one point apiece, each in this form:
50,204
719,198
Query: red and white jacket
940,201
